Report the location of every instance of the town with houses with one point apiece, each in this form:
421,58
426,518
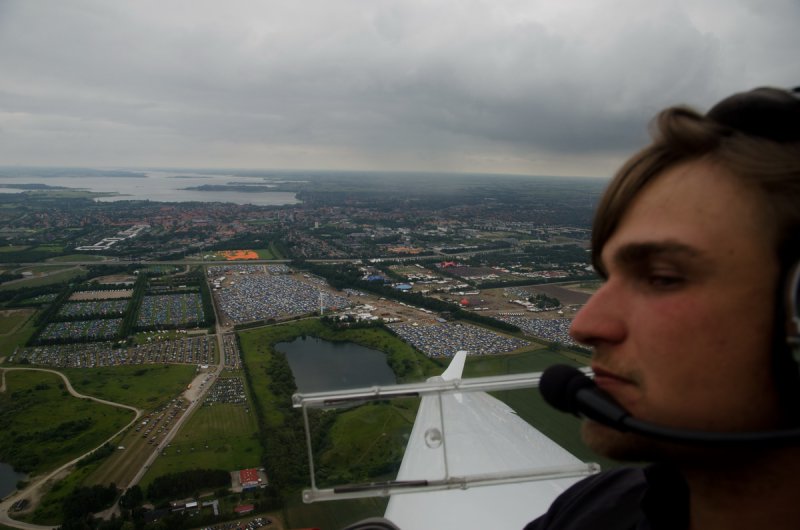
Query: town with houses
176,312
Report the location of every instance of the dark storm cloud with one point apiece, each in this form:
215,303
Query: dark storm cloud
501,85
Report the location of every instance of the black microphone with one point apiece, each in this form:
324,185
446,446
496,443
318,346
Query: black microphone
569,390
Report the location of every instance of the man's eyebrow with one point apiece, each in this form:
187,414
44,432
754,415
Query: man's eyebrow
632,253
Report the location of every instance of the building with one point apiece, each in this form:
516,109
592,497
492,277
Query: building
248,478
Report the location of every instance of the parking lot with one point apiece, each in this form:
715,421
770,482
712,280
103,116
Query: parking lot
190,350
248,293
445,339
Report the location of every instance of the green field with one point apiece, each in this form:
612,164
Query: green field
531,361
332,515
49,510
77,257
357,435
219,436
265,253
42,426
42,269
11,320
19,337
59,277
49,248
369,440
145,386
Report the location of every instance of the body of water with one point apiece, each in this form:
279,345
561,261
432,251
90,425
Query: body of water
319,365
161,186
9,479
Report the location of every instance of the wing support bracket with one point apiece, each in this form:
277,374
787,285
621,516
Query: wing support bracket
437,388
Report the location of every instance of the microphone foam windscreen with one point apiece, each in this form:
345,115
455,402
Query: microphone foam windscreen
560,383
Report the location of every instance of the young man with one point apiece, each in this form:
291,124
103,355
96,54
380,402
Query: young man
696,239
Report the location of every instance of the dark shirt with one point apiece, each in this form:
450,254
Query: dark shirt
650,498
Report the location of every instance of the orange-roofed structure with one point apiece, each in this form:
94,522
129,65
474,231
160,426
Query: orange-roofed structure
248,478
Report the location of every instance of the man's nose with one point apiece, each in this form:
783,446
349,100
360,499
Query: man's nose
601,318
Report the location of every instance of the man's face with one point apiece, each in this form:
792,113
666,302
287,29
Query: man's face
681,329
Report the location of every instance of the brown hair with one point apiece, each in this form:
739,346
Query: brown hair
680,135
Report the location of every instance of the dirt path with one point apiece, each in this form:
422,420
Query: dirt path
43,275
8,312
34,491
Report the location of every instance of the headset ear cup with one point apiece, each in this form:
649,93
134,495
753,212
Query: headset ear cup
785,356
793,310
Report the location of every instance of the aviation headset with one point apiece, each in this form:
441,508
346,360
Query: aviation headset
793,311
773,114
769,113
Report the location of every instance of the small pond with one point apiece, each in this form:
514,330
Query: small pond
9,479
320,365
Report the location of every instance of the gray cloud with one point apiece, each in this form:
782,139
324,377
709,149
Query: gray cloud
501,85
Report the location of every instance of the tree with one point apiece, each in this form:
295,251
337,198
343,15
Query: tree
132,498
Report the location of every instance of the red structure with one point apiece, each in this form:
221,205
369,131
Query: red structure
248,478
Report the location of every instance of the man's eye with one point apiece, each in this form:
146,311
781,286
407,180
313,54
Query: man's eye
661,280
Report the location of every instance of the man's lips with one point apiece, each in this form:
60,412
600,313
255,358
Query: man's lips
609,381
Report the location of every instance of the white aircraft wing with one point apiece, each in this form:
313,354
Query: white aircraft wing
470,461
482,436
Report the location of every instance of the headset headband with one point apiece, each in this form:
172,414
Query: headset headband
766,112
772,114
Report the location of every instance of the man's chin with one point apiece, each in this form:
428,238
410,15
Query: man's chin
628,447
618,445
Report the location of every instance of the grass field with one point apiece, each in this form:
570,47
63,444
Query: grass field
41,269
357,436
17,338
265,253
218,435
59,277
42,426
256,352
221,436
49,510
370,439
331,515
532,361
49,248
145,387
11,319
77,257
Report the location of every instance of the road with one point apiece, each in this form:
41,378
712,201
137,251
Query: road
35,489
194,394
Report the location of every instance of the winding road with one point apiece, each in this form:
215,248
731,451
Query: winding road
35,489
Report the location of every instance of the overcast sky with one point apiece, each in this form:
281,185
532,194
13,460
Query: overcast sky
541,87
